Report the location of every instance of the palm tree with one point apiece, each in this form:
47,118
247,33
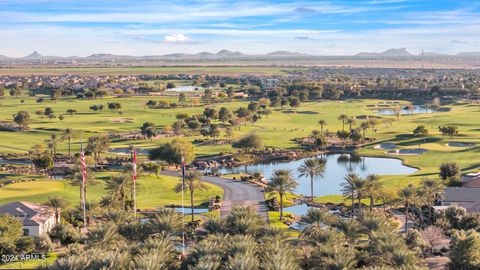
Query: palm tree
57,203
118,185
322,124
77,180
281,182
373,187
192,183
310,168
351,122
350,229
432,188
91,208
409,197
364,127
343,118
350,187
317,216
52,144
166,223
67,135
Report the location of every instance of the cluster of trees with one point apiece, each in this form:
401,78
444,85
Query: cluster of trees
449,131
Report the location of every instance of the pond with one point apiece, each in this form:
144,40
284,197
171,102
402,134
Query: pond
14,161
188,211
337,166
184,88
127,151
302,209
417,109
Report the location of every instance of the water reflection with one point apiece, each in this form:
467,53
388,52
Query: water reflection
337,166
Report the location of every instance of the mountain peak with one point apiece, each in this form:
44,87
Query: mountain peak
284,53
390,53
227,52
33,55
396,52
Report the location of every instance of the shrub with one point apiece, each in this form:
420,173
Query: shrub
43,243
64,233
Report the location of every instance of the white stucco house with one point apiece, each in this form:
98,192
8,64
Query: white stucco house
37,219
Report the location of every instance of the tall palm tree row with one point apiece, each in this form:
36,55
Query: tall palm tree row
357,188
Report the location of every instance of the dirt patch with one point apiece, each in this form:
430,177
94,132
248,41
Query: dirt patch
121,120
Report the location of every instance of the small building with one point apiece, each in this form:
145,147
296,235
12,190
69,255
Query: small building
37,219
470,176
468,198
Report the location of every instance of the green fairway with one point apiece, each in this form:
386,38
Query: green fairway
278,130
152,192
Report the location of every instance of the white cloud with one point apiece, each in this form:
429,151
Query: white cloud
177,38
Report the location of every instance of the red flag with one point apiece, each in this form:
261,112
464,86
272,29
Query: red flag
134,166
84,168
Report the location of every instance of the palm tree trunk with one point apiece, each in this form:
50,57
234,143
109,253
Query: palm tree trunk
69,147
353,204
56,216
406,217
371,203
281,206
430,214
191,205
311,187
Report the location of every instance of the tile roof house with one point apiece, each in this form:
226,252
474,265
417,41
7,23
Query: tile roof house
466,197
37,219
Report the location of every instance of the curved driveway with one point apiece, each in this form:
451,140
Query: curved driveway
236,193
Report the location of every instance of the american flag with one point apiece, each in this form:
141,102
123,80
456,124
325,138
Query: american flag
84,167
134,166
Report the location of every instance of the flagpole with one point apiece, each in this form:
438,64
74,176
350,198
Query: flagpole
183,204
134,177
84,179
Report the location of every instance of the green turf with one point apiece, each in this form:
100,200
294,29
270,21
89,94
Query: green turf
152,192
279,130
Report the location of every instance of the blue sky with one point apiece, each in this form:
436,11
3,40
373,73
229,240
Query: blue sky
147,27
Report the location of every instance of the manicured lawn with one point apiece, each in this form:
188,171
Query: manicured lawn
278,130
151,192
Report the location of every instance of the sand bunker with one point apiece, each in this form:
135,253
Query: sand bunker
460,144
386,146
121,120
415,151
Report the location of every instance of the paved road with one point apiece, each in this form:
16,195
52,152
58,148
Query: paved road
236,193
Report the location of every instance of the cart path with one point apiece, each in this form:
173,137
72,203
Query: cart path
236,193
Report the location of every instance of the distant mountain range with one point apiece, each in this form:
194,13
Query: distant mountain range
226,55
